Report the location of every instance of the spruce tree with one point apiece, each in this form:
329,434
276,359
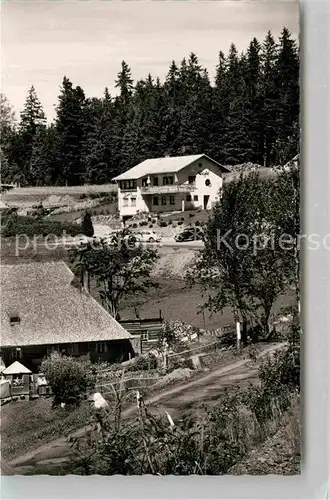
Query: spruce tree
70,130
7,134
287,81
32,123
270,95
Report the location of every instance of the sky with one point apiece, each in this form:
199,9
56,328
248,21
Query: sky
86,40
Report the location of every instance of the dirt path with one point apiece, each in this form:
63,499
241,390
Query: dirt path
205,389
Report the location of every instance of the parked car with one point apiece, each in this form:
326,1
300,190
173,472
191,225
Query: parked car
148,237
190,234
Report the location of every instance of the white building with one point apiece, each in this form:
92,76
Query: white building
170,184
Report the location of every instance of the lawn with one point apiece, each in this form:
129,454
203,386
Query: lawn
28,424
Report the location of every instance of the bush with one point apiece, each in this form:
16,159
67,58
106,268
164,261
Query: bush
170,222
148,362
87,225
30,226
191,215
197,223
68,378
180,223
182,219
135,225
163,224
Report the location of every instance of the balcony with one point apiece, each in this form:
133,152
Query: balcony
168,189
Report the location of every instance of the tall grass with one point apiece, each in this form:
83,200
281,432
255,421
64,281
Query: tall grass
210,443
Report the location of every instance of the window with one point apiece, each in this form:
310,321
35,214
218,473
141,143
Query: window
144,336
15,320
101,347
172,200
155,181
163,200
145,182
155,200
17,353
125,202
168,180
188,197
207,182
131,184
192,179
133,202
75,349
196,197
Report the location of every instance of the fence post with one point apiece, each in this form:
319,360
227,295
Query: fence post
165,357
238,334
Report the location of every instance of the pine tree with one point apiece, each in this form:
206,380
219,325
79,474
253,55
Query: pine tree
237,147
32,123
287,81
44,156
121,111
196,107
172,110
269,92
7,133
124,83
70,130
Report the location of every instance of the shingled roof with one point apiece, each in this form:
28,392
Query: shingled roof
40,306
168,164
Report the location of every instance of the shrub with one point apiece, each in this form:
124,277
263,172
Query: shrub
191,215
151,226
30,226
170,222
180,223
148,362
197,223
87,225
182,219
163,224
134,225
68,378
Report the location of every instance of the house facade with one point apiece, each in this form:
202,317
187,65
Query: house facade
42,311
170,184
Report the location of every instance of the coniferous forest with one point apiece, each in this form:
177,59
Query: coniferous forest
249,113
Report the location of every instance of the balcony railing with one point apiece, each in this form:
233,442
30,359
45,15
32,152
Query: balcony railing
169,188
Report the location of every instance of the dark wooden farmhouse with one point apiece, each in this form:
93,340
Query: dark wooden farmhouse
42,311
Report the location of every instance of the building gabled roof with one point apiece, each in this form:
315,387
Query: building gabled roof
46,308
168,164
16,368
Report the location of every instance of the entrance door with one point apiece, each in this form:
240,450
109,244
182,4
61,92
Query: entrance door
206,200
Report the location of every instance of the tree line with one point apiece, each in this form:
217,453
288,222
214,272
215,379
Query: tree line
250,113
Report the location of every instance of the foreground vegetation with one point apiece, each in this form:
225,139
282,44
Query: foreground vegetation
209,443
